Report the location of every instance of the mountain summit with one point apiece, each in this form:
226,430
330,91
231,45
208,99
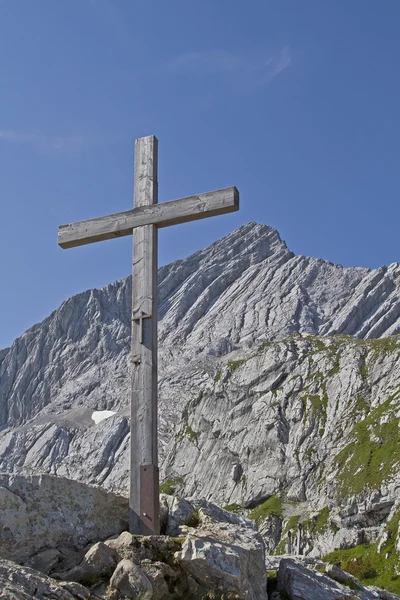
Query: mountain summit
279,382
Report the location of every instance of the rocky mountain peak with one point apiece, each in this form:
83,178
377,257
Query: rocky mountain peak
276,373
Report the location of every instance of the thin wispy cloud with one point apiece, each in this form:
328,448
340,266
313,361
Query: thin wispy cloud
42,142
282,62
229,64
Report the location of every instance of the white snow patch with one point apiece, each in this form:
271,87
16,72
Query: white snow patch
100,415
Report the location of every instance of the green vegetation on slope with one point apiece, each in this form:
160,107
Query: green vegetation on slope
318,524
235,364
370,566
272,506
233,508
374,451
169,486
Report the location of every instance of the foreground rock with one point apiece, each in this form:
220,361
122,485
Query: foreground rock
225,547
298,582
259,396
22,583
206,552
54,516
72,533
216,552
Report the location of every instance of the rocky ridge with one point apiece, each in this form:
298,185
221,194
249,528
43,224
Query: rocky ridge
278,375
206,553
82,549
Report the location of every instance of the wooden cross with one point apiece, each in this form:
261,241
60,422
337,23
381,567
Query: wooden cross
144,221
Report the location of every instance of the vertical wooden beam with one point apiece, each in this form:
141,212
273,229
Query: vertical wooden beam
144,494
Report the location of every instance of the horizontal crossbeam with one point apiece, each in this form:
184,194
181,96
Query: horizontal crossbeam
164,214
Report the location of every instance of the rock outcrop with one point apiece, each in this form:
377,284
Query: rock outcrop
278,377
299,582
22,583
40,513
214,551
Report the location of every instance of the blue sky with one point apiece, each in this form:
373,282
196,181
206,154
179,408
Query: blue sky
296,102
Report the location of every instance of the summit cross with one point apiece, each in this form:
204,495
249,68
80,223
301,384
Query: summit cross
143,221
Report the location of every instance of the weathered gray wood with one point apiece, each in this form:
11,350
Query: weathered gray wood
144,498
144,220
163,215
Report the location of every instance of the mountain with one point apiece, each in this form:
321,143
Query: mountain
278,380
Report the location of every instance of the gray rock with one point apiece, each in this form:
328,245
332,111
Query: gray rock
383,594
301,583
23,583
43,512
44,561
225,556
178,512
130,580
158,574
78,591
241,368
342,577
98,563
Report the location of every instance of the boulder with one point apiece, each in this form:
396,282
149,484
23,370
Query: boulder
176,512
301,583
225,553
130,580
23,583
160,576
42,512
97,564
45,561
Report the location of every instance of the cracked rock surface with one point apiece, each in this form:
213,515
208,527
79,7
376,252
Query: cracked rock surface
274,371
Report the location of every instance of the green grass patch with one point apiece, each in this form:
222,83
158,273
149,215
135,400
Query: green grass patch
264,346
191,434
194,520
361,407
187,430
318,524
317,342
309,452
235,364
316,406
370,566
233,508
335,369
292,524
373,455
217,376
386,344
364,368
169,485
271,507
321,521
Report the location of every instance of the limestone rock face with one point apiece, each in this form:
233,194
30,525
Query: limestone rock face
23,583
301,583
273,367
40,512
131,581
216,554
226,548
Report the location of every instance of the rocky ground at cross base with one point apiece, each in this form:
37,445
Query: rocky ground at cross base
279,400
65,540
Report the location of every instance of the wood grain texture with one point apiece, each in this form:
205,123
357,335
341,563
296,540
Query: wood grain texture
144,220
144,495
192,208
